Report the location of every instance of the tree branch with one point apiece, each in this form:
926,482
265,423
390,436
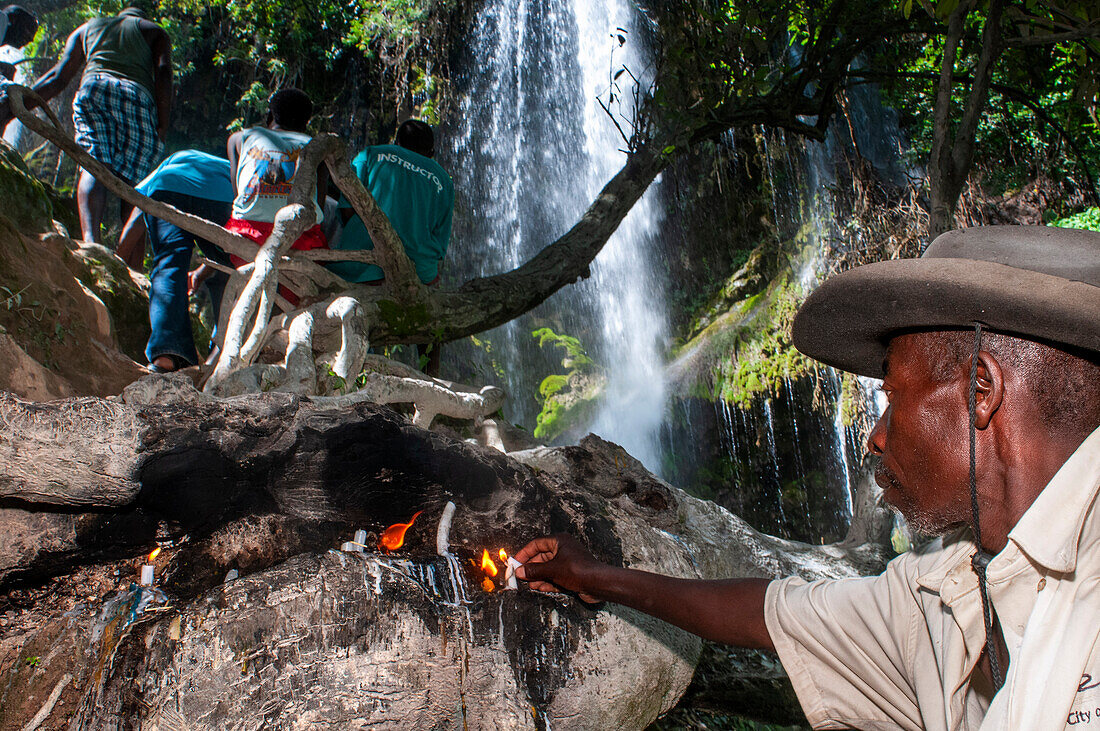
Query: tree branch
389,253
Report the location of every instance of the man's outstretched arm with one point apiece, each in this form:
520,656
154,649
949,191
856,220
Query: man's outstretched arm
65,70
729,611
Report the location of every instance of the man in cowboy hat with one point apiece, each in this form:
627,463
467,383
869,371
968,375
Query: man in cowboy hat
989,347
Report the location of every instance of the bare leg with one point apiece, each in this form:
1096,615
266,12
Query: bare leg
91,199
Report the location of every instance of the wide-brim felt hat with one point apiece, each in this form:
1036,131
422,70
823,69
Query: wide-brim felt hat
1037,282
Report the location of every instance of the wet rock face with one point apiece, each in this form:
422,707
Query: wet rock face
267,487
346,639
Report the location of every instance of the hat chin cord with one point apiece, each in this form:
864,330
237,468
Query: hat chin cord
981,559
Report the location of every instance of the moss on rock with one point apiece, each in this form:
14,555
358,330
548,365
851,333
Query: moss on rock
125,295
26,201
569,400
741,345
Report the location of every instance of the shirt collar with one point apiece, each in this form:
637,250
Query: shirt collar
955,550
1050,530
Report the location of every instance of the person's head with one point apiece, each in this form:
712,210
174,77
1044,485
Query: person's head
22,26
1035,291
289,109
1025,391
136,10
416,135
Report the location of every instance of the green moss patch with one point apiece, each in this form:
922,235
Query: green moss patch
26,201
569,400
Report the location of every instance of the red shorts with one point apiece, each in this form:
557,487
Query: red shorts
258,231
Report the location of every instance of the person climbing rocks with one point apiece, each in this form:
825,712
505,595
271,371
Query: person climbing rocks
989,350
264,163
200,184
122,106
18,27
417,196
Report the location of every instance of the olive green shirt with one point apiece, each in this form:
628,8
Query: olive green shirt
117,47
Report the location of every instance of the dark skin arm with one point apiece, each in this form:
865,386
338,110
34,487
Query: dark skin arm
161,46
65,70
57,78
233,152
730,611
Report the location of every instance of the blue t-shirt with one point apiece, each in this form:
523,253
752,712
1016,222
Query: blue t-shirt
416,194
190,172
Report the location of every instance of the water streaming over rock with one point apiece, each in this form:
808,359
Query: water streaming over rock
531,151
790,462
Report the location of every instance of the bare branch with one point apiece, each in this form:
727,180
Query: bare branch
401,280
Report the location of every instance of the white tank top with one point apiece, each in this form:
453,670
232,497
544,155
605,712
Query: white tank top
265,171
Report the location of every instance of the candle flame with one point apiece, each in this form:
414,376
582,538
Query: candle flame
153,554
394,537
503,555
487,564
488,585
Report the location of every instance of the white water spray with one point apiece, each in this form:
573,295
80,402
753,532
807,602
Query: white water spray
533,149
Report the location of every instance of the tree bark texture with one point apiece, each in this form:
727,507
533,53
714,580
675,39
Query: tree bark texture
952,153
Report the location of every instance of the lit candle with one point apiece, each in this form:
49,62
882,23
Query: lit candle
510,573
147,569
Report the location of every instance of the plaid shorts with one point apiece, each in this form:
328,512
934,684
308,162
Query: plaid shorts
116,122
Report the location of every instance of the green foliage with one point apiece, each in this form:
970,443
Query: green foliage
576,356
1089,219
744,62
229,55
568,400
1041,112
401,320
392,21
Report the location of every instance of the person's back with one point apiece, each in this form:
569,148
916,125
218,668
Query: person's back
121,108
417,196
265,172
264,161
191,172
117,46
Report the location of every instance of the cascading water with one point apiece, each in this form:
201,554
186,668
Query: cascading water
790,462
532,150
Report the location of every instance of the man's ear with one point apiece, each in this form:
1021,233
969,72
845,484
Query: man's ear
990,391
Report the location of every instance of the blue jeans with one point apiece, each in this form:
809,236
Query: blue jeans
169,317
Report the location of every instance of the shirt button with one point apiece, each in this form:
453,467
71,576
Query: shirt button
1042,584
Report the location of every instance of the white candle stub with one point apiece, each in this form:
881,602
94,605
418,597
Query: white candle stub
147,575
510,573
349,547
361,539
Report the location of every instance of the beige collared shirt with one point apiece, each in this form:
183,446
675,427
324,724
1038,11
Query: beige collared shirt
899,650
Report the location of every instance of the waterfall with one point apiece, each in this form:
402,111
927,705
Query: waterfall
530,150
790,463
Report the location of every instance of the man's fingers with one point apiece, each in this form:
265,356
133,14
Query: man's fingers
533,570
543,586
545,545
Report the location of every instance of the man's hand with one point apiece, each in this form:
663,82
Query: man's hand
728,610
196,278
559,563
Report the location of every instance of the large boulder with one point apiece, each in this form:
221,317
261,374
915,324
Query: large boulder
57,336
263,623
